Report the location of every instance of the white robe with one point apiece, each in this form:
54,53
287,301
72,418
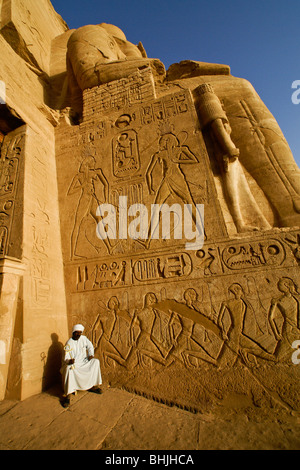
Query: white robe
83,374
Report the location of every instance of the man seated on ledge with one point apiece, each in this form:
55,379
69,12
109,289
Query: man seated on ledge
80,370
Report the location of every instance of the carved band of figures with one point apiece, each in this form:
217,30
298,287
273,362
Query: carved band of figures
166,331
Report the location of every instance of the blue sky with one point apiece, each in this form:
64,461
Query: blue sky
259,39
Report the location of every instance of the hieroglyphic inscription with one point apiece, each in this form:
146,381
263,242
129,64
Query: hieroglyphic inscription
115,273
133,192
125,151
164,108
40,234
11,152
136,161
253,255
293,242
118,94
101,275
249,254
209,263
162,267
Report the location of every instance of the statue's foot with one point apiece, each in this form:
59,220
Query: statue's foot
242,228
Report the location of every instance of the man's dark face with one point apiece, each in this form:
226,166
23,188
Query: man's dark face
76,335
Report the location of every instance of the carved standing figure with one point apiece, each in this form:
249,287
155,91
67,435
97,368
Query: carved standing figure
237,189
288,306
170,156
233,328
85,182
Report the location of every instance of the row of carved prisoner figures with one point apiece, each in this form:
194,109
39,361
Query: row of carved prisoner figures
168,331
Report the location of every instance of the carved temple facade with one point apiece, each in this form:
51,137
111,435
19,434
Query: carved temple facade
185,326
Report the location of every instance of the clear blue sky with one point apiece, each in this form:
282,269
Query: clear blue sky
259,39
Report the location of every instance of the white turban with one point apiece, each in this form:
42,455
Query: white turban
78,328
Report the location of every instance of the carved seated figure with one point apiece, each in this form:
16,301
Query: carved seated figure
98,54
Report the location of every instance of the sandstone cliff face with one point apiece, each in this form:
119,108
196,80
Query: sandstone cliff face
30,223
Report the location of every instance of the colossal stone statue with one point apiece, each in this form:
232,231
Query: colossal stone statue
99,54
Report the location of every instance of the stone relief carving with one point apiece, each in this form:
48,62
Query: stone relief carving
40,222
11,151
102,275
162,267
293,241
288,329
85,183
116,335
163,332
131,170
170,156
126,158
209,261
257,254
124,93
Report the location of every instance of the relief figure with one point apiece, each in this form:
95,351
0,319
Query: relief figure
126,160
117,333
231,319
288,329
170,156
202,343
157,336
273,167
85,183
199,337
212,115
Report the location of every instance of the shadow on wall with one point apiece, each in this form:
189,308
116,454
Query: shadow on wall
52,363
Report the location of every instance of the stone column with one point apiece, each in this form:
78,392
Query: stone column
11,271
